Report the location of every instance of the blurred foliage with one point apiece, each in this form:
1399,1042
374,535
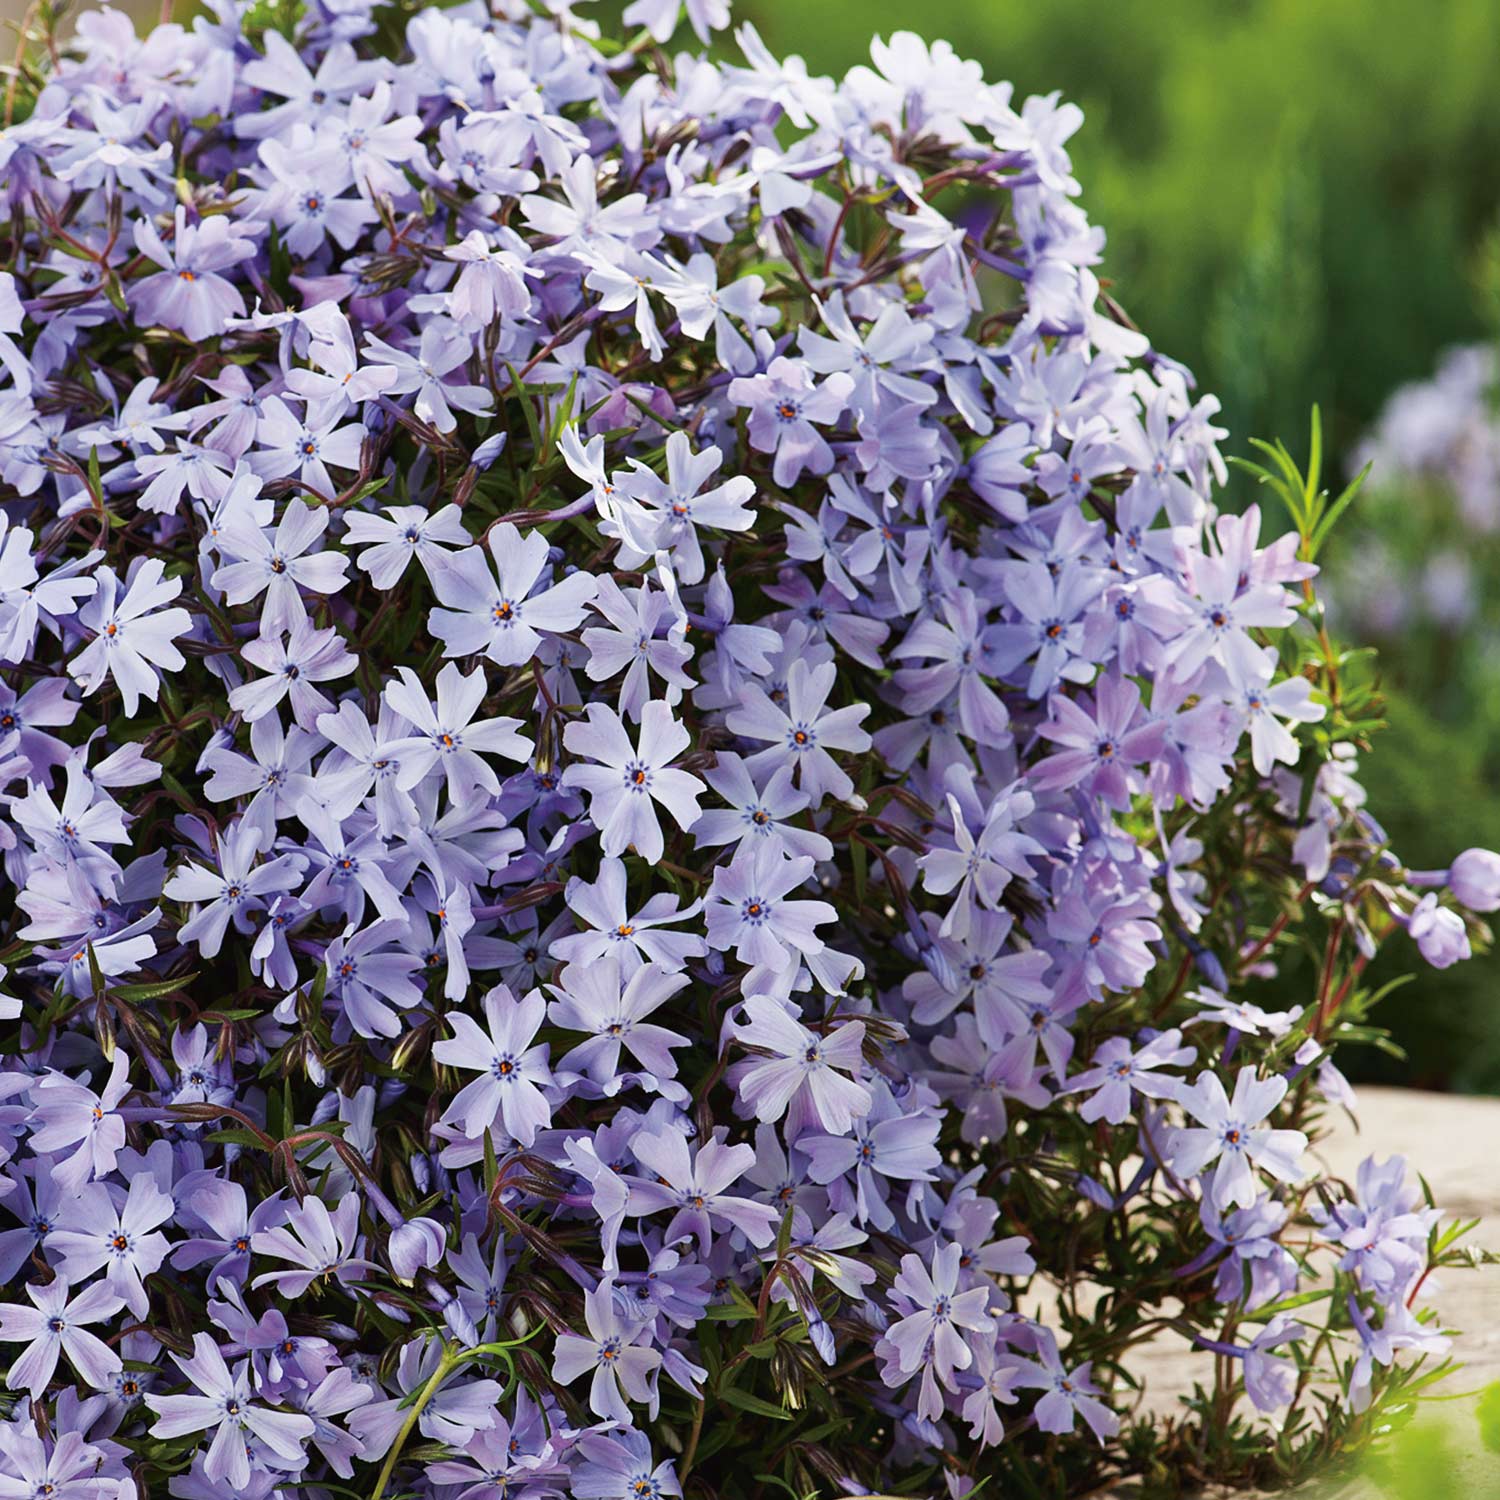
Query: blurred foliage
1457,1454
1296,198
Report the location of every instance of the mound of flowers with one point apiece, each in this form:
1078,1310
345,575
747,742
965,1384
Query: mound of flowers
657,840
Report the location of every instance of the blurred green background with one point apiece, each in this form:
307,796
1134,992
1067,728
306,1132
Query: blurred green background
1295,193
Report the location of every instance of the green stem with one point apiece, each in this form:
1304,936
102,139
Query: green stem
445,1367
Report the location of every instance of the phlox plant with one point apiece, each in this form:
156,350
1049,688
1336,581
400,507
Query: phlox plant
660,839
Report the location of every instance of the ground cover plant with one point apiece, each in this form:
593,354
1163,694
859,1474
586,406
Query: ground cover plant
658,841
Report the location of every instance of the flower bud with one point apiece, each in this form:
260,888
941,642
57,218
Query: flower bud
416,1245
1474,879
1439,933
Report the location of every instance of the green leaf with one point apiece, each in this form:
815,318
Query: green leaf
744,1401
136,993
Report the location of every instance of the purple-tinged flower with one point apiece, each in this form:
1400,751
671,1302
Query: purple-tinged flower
1099,749
55,1326
660,18
613,929
747,909
124,1242
133,633
370,973
755,814
928,1337
26,598
289,445
188,293
693,1185
784,404
1474,879
225,1405
66,1467
448,736
504,618
803,733
293,662
612,1350
980,868
591,998
69,1113
319,1243
402,533
335,1395
684,505
630,779
1270,1382
891,1143
512,1071
230,1224
1439,932
631,644
1070,1393
803,1079
1230,1134
280,566
238,888
491,284
1118,1071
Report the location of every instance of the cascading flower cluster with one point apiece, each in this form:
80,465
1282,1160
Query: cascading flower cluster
625,718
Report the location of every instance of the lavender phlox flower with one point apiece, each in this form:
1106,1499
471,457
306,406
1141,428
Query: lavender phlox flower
281,565
404,532
292,661
613,1351
188,293
786,408
803,1078
611,1008
54,1326
979,868
513,1072
804,732
320,1243
504,618
889,1144
123,1241
1100,748
441,350
1242,1016
304,447
691,1186
1230,1137
754,814
928,1337
225,1404
370,974
1439,932
238,889
1070,1394
634,938
1117,1071
133,633
630,779
70,1114
75,831
748,909
631,644
448,736
27,600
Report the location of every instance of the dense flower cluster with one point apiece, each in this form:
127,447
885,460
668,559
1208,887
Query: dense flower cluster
626,717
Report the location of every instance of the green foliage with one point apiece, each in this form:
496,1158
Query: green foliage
1439,1456
1293,191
